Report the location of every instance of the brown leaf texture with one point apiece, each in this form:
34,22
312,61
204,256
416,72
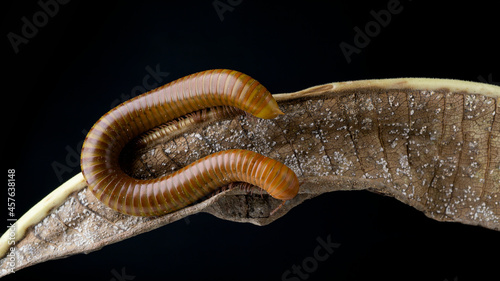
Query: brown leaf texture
432,144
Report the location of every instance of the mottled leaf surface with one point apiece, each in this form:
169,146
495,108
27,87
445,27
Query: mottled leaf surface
436,148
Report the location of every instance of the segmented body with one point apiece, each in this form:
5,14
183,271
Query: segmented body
104,142
177,127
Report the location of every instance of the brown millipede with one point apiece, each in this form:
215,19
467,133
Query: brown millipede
177,127
220,87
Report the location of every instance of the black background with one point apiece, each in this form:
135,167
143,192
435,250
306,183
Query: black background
90,53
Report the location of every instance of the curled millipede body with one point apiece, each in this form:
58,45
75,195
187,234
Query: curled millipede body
106,139
176,127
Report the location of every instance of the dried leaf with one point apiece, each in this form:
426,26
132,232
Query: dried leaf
432,144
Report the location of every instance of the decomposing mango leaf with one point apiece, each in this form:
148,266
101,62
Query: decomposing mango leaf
433,144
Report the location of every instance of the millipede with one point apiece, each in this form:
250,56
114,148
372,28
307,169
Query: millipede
177,127
188,95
